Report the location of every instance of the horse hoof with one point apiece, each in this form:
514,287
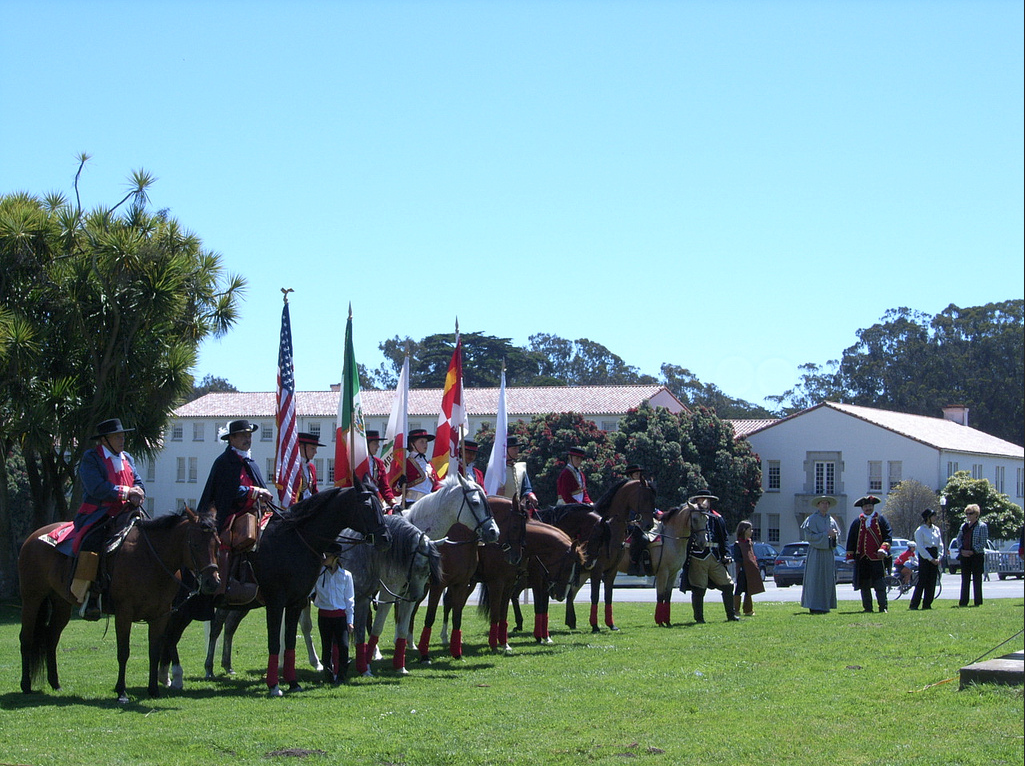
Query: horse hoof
402,672
208,677
595,629
425,661
294,687
367,674
613,627
318,667
275,691
548,640
377,654
122,699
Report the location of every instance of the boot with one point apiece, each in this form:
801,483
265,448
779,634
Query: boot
736,604
697,602
749,605
727,601
645,564
85,573
91,610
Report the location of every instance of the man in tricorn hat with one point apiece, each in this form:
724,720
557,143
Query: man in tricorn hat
571,485
234,487
373,473
308,444
868,546
421,478
707,556
110,485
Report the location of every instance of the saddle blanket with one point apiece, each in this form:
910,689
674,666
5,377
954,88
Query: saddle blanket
60,537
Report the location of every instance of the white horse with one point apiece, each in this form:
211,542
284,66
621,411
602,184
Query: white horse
457,501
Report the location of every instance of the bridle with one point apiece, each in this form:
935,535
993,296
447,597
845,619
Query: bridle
469,490
396,597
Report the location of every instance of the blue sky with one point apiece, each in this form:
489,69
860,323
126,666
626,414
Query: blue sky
732,187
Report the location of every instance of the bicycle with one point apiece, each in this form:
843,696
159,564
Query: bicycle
898,588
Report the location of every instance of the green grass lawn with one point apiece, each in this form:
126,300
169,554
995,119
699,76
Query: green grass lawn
782,687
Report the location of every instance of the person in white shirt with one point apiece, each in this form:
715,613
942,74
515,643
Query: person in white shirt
334,598
929,540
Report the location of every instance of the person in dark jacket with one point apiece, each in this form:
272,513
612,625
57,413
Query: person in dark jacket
868,545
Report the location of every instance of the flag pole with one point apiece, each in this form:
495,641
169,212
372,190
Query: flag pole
462,436
352,430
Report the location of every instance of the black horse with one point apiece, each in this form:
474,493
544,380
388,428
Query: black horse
286,563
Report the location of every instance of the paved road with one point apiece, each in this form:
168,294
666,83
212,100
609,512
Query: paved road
994,588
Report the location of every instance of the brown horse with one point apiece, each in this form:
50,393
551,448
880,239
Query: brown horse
143,584
628,501
460,556
550,565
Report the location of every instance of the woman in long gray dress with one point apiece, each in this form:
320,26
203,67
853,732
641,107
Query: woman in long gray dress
822,534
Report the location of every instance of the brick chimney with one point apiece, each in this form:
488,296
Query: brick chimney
957,413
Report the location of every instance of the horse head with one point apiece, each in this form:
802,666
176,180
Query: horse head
203,544
369,520
566,575
641,502
476,501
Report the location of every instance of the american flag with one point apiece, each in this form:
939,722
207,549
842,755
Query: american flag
286,449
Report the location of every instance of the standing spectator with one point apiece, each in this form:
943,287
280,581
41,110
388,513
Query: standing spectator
930,547
974,534
868,545
571,484
822,533
334,598
749,577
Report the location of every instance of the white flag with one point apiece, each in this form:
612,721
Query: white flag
495,475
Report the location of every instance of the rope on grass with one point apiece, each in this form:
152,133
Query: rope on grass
988,651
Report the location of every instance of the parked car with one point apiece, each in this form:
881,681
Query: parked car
788,568
1010,564
897,546
766,556
953,565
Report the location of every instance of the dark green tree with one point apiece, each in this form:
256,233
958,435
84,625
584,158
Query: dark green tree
1003,517
583,362
210,384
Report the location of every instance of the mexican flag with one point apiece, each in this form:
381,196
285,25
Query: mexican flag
350,431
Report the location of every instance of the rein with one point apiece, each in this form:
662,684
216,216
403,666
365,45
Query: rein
409,574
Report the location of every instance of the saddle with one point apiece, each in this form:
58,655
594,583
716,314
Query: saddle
236,569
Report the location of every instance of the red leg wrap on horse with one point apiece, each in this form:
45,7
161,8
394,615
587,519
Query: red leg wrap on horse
608,615
493,636
289,673
455,644
361,658
539,630
594,614
545,625
425,643
272,670
503,632
371,646
399,660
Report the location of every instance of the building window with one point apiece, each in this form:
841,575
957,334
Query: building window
330,470
772,480
894,467
270,469
875,475
181,470
266,432
318,466
756,522
179,503
315,430
151,470
193,470
773,531
609,425
192,503
976,470
198,429
825,480
1021,482
998,476
414,424
150,505
334,431
951,468
176,432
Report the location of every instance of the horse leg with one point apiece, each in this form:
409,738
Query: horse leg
157,638
403,615
595,593
123,629
273,649
541,634
457,602
571,612
360,629
306,626
170,670
230,621
517,612
213,631
380,620
291,627
610,579
430,614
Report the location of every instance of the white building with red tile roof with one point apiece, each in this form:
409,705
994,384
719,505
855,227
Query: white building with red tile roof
849,451
192,442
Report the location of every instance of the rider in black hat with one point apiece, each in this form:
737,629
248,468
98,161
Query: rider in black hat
110,485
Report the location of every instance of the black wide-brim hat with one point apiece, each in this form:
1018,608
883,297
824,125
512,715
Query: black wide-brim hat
705,496
578,451
372,436
418,433
927,514
632,468
238,427
307,438
108,427
867,500
470,446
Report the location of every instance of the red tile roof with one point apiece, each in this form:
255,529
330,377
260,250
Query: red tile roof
591,400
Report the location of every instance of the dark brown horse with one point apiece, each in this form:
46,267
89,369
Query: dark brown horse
143,584
550,565
628,501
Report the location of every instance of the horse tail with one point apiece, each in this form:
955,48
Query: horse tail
41,630
484,603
